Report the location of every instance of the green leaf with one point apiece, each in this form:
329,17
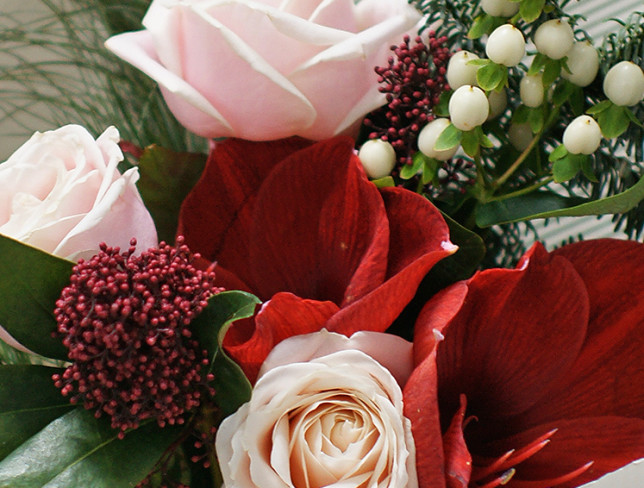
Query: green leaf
480,26
384,182
28,402
600,107
232,388
479,62
538,62
78,450
613,121
449,138
633,118
483,140
491,76
587,169
558,153
430,170
536,119
530,10
470,143
566,168
562,92
30,283
442,109
551,72
166,179
410,170
543,205
521,114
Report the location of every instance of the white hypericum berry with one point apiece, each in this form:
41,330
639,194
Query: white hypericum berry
531,90
554,38
500,8
583,63
498,101
460,73
582,136
624,84
378,158
428,137
468,107
520,135
506,45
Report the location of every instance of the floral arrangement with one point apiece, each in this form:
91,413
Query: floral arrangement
299,260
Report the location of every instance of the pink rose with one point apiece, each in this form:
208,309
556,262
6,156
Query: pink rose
326,411
61,192
267,69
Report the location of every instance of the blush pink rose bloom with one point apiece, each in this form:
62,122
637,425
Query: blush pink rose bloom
267,69
61,192
326,411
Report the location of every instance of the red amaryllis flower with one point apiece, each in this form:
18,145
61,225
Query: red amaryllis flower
539,380
300,226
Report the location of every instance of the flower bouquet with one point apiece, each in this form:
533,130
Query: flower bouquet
301,260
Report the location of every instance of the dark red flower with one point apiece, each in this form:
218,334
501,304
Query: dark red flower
300,226
539,380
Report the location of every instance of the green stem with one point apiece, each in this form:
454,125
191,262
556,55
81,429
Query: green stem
523,191
510,171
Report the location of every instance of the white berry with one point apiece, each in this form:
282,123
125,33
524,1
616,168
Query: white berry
582,136
468,107
378,158
500,8
554,38
531,90
428,137
624,84
520,135
498,101
460,73
506,45
583,63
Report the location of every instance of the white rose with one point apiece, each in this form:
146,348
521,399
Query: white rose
264,70
61,192
324,413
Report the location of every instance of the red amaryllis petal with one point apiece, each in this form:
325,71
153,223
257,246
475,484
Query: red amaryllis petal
458,461
413,250
516,331
608,376
608,442
315,236
284,315
216,215
421,407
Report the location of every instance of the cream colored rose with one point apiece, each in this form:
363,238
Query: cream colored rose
61,192
323,414
267,69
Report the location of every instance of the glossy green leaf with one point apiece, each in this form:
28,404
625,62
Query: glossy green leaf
600,107
492,75
558,153
232,389
538,62
542,205
613,121
562,92
78,450
410,170
449,138
30,283
166,179
28,402
530,10
482,25
551,72
566,168
470,143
